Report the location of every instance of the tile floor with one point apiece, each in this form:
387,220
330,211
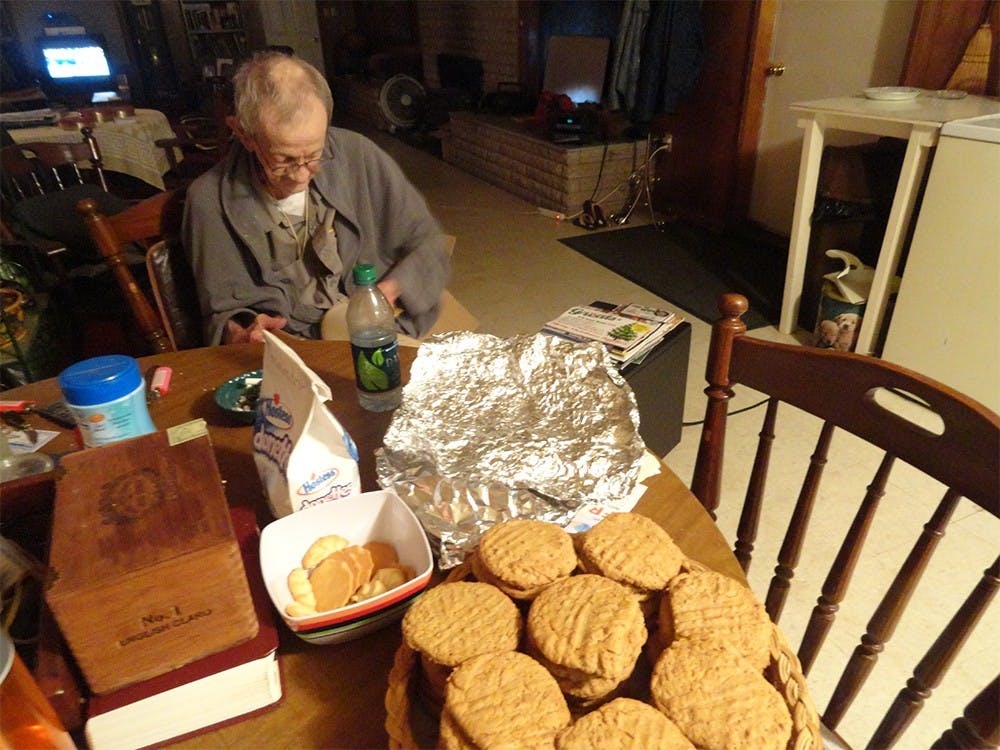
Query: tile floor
513,275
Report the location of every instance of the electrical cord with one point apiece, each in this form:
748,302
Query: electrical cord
732,413
600,172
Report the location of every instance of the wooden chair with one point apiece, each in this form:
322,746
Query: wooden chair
173,285
979,724
201,138
154,224
42,183
201,142
847,392
39,167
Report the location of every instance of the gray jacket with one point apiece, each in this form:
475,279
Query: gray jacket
380,219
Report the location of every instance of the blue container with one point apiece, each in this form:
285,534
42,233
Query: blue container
107,396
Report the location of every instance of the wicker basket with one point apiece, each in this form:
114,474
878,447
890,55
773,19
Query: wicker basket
410,724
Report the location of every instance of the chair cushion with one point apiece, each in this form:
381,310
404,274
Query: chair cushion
173,286
53,216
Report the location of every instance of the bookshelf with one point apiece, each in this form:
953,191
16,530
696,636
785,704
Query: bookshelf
215,32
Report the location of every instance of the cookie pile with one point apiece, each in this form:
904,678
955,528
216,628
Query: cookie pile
455,622
609,640
335,573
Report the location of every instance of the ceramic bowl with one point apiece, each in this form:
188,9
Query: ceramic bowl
229,396
369,516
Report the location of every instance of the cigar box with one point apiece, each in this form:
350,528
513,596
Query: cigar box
147,569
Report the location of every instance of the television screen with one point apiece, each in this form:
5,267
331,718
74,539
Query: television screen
75,59
76,62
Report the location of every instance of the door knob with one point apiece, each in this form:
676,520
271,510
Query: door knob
775,69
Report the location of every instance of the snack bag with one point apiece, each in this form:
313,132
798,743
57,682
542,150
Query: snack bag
303,455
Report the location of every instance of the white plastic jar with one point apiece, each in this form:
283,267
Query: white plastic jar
107,396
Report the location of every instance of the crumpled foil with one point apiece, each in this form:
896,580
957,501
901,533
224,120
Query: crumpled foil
491,429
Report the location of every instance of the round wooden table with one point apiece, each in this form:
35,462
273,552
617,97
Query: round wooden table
334,695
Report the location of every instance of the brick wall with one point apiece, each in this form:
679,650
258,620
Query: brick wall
486,30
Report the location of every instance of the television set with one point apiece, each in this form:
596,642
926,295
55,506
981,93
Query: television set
75,64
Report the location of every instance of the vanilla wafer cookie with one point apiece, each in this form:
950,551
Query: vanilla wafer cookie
503,700
719,700
708,605
588,623
455,621
632,549
522,556
623,724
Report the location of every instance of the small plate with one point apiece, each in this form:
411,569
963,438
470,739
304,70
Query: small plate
228,395
892,93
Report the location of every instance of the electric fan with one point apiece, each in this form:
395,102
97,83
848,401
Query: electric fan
402,101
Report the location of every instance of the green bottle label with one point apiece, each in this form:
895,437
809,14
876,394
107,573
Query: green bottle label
376,369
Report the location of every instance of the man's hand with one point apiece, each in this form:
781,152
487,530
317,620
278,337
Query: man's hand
237,334
390,288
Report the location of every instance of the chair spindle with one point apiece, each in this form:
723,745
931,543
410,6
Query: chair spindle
883,622
928,673
791,547
746,533
839,578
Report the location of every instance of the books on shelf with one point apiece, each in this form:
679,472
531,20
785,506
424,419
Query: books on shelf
628,331
206,693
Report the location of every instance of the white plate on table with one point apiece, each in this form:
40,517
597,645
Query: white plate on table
892,93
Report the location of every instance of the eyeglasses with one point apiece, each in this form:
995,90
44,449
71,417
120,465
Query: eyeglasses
291,167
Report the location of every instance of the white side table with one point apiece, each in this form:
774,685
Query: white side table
918,121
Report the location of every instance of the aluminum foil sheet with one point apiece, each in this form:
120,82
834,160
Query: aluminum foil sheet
491,429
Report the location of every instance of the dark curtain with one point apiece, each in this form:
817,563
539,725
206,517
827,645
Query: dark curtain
666,39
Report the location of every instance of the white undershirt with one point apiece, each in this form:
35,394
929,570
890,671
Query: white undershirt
294,204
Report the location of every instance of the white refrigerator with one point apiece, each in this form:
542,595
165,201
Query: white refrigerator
946,322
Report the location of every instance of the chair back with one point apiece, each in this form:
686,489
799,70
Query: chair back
200,139
175,293
146,223
949,438
39,167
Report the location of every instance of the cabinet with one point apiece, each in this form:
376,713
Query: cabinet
216,34
15,73
945,321
150,49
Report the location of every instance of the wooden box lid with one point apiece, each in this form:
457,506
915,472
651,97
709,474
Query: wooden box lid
131,505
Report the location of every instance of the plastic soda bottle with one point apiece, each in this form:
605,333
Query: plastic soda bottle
374,346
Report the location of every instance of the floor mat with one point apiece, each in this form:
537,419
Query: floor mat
691,267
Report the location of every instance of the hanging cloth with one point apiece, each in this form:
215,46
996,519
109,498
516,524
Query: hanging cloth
673,52
627,54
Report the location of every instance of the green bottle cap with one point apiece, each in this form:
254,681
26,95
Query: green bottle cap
364,273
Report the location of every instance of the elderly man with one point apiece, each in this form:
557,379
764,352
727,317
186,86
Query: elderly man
273,231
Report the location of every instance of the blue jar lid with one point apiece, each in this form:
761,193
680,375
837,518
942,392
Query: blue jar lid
100,379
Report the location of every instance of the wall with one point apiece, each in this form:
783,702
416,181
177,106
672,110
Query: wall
829,49
485,30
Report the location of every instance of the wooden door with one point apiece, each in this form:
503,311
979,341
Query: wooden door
707,178
294,25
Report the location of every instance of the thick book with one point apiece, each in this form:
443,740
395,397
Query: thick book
217,689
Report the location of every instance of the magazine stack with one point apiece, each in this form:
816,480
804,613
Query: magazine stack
628,331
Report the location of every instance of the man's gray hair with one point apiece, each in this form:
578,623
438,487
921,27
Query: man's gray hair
276,82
